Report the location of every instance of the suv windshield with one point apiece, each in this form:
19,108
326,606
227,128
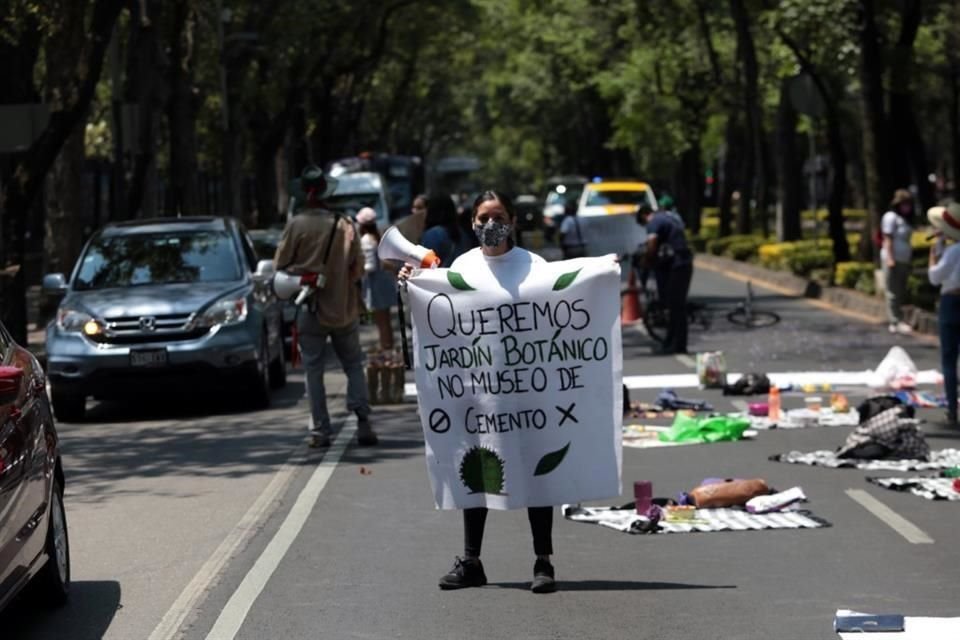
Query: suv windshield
158,258
600,198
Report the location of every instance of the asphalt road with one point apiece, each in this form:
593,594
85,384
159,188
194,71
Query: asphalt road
173,507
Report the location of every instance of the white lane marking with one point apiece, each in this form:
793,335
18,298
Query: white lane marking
911,532
739,405
685,360
238,606
209,573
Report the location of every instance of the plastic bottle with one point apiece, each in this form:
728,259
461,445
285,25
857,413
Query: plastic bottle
773,402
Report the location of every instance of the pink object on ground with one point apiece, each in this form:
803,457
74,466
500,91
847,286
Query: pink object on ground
758,409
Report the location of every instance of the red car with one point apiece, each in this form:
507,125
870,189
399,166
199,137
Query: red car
33,525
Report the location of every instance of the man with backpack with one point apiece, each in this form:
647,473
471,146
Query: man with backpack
670,258
318,241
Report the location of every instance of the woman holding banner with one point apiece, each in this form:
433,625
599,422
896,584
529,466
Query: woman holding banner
493,219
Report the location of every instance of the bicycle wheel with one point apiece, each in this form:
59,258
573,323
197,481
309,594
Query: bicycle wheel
756,320
656,319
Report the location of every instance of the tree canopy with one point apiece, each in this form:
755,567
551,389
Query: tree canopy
212,105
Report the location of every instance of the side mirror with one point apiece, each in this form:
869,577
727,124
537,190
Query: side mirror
265,269
55,283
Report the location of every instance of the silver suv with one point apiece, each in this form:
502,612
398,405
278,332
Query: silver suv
161,301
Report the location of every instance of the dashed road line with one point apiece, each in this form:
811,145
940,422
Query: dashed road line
911,532
739,405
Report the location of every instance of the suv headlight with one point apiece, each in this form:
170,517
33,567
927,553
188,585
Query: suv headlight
73,320
226,312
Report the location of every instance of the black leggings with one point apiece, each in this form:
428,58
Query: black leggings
541,526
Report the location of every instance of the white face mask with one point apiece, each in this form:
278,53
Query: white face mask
492,233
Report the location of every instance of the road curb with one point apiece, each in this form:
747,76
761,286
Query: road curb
868,308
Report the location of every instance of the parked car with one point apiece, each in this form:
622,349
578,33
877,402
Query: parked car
560,191
34,545
164,301
358,190
607,215
265,243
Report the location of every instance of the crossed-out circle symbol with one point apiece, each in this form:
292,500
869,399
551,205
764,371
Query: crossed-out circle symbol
439,421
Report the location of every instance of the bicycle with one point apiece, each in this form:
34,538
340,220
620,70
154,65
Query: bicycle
748,317
656,316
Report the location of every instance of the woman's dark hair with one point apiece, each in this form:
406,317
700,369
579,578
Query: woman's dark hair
443,213
491,195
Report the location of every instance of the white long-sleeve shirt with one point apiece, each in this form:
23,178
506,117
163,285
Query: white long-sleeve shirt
946,273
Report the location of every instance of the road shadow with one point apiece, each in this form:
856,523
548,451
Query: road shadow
186,403
86,616
614,585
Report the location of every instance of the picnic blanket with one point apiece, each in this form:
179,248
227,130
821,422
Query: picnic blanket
940,459
707,520
925,487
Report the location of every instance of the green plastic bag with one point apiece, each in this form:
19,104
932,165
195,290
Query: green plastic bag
715,429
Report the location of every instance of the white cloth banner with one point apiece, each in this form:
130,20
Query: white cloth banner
519,383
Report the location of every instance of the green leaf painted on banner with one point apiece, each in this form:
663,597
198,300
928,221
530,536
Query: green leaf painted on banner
565,280
551,461
458,282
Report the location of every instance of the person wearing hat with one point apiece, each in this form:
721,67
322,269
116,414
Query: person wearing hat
668,206
379,290
896,227
944,272
318,241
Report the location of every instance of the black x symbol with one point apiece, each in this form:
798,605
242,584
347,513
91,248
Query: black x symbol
567,413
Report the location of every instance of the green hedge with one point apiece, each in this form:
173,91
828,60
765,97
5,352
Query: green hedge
803,261
720,246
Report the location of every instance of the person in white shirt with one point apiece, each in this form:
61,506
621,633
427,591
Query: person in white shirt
379,290
499,259
944,272
896,253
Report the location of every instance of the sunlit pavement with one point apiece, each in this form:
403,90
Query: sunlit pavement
154,491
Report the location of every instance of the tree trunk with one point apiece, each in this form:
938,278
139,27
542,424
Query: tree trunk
746,52
909,151
878,189
790,185
18,196
729,174
64,212
689,186
838,185
64,224
182,112
144,72
954,118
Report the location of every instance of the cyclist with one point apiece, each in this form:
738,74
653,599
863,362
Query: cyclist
671,260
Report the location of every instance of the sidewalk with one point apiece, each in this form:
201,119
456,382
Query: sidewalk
839,299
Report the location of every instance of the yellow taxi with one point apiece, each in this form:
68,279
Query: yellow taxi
607,215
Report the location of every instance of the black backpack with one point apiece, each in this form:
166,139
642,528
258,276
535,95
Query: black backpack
878,404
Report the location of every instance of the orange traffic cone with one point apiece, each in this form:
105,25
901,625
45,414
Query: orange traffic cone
630,301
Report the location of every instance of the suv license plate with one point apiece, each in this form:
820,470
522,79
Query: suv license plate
149,358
